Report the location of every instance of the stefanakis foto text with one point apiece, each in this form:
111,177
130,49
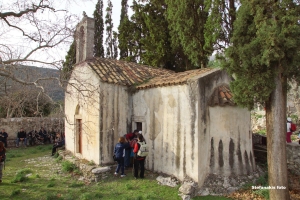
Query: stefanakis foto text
268,187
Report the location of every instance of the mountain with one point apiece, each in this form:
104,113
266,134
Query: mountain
31,73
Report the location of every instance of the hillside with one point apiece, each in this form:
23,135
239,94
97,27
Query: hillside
31,73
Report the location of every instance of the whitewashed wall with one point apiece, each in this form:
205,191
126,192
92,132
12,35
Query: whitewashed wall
105,114
169,129
83,90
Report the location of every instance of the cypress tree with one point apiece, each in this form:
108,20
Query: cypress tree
109,30
115,45
187,21
99,28
264,54
69,62
124,31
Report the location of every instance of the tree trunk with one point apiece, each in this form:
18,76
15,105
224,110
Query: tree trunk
276,139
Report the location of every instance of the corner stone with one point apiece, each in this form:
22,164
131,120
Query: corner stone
100,170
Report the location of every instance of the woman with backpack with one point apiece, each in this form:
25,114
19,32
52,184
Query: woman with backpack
119,152
139,161
2,158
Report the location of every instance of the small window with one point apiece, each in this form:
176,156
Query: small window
139,126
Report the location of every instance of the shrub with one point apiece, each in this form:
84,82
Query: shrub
263,192
15,192
51,184
21,175
67,166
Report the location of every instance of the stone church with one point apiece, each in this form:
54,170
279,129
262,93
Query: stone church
189,119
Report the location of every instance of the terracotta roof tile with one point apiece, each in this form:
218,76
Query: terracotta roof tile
122,72
174,79
221,96
129,73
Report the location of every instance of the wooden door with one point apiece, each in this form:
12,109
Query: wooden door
79,133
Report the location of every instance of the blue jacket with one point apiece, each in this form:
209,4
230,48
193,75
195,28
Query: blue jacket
119,149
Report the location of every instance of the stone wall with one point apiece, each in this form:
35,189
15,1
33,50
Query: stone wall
293,157
13,125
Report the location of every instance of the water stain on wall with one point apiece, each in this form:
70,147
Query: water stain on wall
247,162
231,153
212,154
220,150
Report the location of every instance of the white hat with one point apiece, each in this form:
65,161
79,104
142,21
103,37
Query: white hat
140,132
289,119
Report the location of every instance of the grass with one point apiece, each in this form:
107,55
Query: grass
31,173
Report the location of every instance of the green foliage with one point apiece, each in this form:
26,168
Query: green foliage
15,192
67,166
59,158
262,132
262,48
109,31
86,196
51,196
124,31
76,184
294,118
263,192
187,21
21,175
128,186
51,184
263,180
99,28
69,62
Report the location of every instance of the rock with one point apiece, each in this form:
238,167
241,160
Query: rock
100,170
81,178
204,192
185,197
250,177
231,189
226,183
27,175
187,188
167,181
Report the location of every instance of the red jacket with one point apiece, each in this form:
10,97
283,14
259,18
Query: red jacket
129,136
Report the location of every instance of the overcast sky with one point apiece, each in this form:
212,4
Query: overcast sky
78,6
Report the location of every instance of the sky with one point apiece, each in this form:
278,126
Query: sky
78,6
15,41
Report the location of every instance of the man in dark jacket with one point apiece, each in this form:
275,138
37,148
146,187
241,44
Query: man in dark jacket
21,136
3,137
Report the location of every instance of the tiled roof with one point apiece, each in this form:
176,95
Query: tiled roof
175,78
124,73
221,96
129,73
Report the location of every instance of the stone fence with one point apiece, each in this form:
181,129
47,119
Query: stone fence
13,125
293,157
292,152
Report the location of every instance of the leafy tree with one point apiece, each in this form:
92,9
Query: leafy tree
187,21
99,28
69,62
264,54
109,30
151,39
219,24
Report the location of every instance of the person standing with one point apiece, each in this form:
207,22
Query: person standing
139,161
60,141
119,152
131,138
290,128
2,159
21,136
3,137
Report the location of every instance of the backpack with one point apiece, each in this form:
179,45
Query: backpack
144,150
293,127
